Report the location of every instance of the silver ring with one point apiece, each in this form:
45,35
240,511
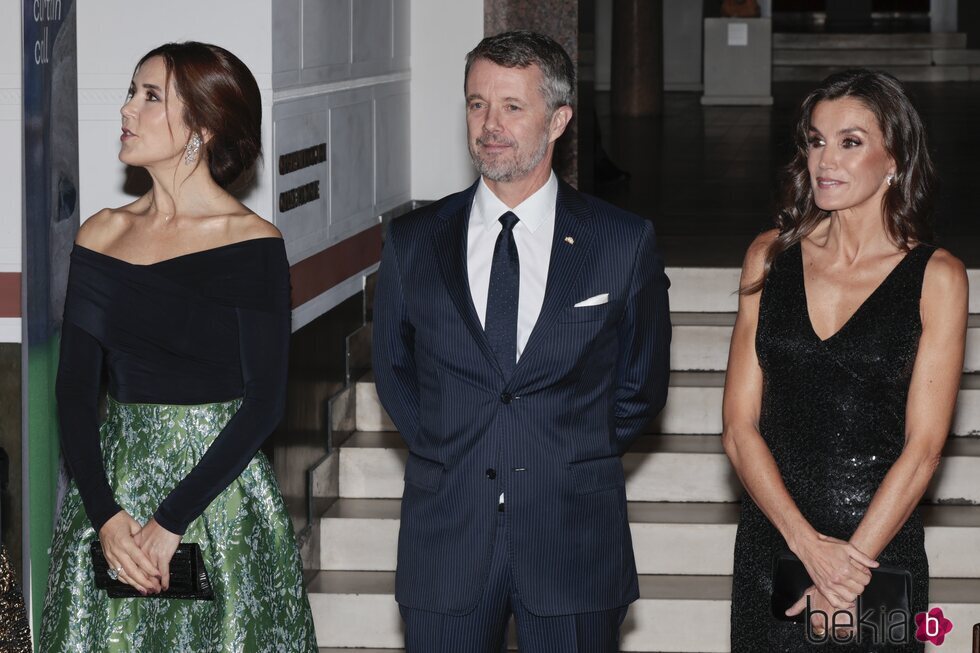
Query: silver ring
114,573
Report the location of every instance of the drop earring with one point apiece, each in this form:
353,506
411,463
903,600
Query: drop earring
889,179
192,149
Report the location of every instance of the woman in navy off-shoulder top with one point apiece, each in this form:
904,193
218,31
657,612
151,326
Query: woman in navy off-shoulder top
180,299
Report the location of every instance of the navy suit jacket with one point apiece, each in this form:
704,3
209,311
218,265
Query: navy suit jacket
550,436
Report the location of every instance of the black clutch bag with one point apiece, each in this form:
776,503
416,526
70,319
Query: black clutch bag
890,588
188,577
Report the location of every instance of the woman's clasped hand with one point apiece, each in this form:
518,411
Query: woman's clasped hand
838,569
120,538
140,554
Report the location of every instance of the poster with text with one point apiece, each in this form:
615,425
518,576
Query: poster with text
50,222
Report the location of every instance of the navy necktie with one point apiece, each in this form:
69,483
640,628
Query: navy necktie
502,296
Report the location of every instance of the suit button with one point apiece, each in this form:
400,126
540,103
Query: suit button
491,473
506,397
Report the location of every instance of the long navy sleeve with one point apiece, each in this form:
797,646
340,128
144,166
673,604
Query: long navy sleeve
207,327
264,344
77,390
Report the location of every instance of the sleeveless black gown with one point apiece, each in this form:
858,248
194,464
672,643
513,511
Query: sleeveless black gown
833,415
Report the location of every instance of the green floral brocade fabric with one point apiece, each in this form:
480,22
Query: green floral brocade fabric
245,536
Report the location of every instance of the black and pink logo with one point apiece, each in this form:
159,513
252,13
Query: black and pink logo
881,627
932,626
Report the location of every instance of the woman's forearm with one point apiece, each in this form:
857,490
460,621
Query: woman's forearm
895,499
756,468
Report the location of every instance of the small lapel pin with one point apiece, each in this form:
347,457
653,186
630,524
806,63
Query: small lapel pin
569,240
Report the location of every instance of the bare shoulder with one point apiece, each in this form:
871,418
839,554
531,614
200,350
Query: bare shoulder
755,257
103,228
250,226
945,286
945,273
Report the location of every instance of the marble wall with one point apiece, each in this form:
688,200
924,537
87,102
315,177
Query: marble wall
340,78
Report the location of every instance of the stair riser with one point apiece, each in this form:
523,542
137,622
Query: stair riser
364,620
797,57
688,410
850,58
367,473
703,290
351,620
938,40
713,290
698,410
705,348
681,549
903,73
700,348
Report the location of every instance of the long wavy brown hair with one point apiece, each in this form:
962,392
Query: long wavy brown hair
907,204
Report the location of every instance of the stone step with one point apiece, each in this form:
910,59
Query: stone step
939,40
357,609
714,290
874,58
668,538
924,73
693,405
956,57
703,290
701,340
852,58
684,468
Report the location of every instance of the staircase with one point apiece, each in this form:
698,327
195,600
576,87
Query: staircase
922,57
683,506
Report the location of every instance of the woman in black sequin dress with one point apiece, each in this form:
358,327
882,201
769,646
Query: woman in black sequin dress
844,367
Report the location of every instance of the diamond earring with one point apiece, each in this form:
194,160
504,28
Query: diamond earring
192,149
889,179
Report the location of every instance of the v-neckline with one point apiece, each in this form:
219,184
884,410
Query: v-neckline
858,310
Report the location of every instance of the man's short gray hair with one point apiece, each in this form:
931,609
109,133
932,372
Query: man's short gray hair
520,49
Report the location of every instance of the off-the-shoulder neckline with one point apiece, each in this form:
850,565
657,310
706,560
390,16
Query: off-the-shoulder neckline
210,250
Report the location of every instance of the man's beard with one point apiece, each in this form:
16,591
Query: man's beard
512,168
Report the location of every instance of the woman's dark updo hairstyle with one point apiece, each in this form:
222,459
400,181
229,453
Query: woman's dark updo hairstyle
220,96
908,202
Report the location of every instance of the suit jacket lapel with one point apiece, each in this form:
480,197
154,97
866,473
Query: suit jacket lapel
450,250
572,221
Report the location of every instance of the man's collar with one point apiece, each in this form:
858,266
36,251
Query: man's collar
531,211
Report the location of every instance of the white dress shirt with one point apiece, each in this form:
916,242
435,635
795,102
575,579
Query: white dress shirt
533,235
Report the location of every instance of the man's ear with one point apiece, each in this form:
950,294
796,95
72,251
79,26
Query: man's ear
559,122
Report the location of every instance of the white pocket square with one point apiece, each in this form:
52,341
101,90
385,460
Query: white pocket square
594,301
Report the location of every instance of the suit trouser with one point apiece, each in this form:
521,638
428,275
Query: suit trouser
483,630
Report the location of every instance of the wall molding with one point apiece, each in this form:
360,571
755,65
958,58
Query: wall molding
345,85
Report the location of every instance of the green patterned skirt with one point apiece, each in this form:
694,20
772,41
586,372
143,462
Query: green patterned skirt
245,536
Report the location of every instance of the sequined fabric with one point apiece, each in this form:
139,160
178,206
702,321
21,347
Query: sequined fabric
833,415
245,536
15,633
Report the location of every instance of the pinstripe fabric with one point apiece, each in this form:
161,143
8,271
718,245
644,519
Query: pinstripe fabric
483,630
550,435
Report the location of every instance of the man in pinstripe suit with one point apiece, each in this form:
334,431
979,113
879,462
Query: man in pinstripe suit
521,338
